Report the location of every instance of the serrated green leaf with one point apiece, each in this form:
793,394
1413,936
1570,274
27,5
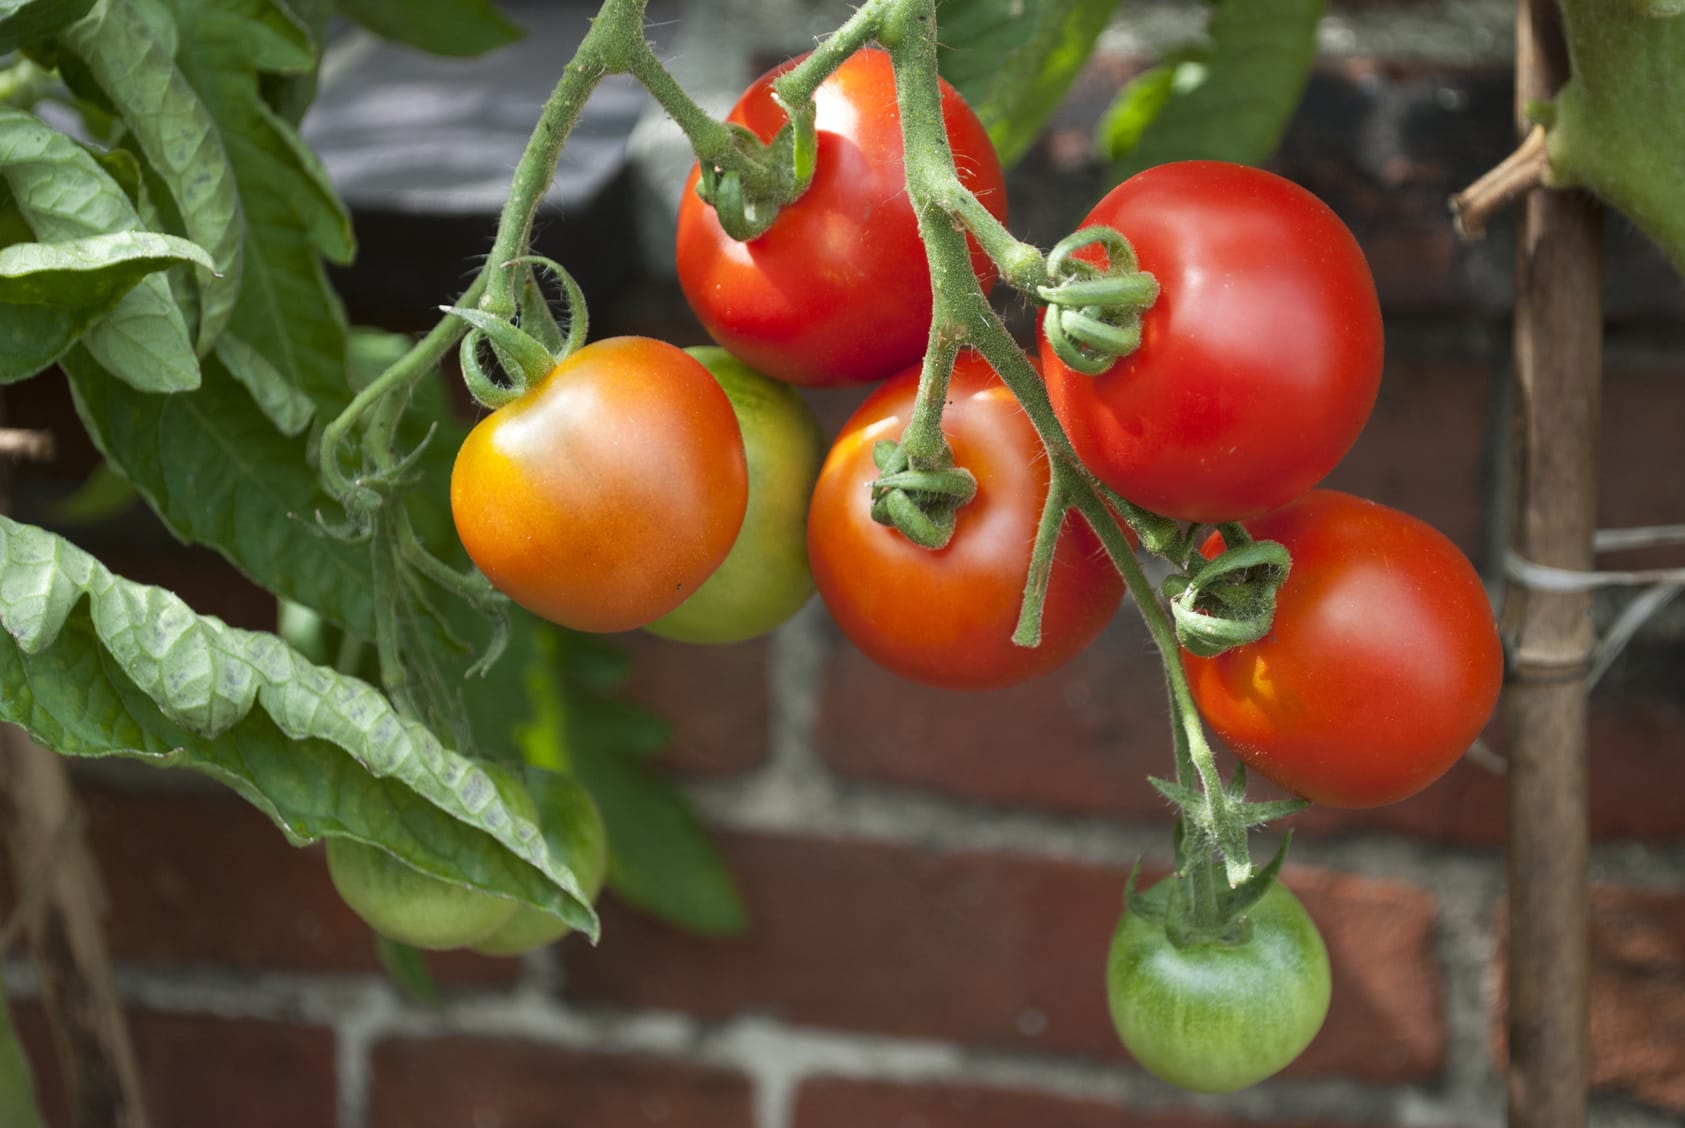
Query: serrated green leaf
1014,59
1618,125
128,48
66,193
442,27
26,21
17,1083
1260,58
219,474
95,665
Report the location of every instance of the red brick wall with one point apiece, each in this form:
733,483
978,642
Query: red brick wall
932,878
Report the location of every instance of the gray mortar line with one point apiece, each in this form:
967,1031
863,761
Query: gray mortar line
776,1057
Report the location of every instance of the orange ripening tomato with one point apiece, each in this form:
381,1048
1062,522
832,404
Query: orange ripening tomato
604,496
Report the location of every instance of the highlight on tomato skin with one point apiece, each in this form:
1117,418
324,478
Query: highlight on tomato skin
1259,362
837,291
945,617
1382,666
610,491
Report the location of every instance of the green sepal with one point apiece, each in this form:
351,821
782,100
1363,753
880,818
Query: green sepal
1228,601
524,358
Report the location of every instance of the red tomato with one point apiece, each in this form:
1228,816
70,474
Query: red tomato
1259,362
946,617
1381,668
603,497
837,291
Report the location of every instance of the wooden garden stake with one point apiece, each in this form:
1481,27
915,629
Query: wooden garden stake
57,891
1558,344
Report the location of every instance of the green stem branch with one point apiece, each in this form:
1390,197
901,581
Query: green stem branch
961,315
797,84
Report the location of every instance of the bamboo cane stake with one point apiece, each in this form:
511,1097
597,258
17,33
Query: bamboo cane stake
1558,346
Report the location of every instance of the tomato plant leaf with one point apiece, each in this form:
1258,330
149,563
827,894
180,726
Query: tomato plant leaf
33,337
1227,100
1618,126
27,21
287,312
103,495
128,48
1140,100
660,856
17,1083
255,35
291,94
661,859
289,409
1014,59
95,665
219,474
64,193
443,27
96,270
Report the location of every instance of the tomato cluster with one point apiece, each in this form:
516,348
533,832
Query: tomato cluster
691,494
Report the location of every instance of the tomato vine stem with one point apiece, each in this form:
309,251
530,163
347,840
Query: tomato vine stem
961,315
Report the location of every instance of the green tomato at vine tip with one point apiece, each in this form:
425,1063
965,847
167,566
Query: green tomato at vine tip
1214,1017
574,831
403,904
765,578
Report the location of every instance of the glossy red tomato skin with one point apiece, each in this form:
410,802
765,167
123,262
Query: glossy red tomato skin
837,291
603,497
945,617
1259,362
1382,666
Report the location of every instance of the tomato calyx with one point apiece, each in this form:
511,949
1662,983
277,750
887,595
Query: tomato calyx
920,503
1229,600
1195,905
1094,311
747,205
526,349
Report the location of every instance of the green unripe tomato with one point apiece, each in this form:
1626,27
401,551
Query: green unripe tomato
403,904
1214,1017
573,829
765,578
